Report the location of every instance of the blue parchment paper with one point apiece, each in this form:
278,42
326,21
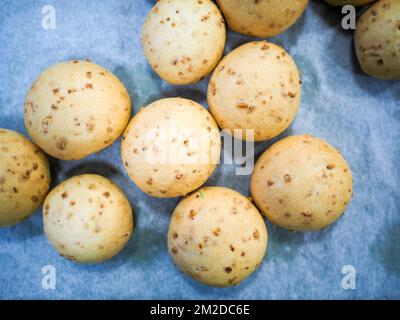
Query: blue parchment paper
357,114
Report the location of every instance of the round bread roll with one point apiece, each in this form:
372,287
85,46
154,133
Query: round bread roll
377,40
261,18
257,87
301,183
87,219
171,147
76,108
24,177
217,236
355,3
183,40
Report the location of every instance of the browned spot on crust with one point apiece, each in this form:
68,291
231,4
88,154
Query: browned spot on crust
287,178
192,214
179,176
62,143
213,88
265,46
256,234
216,231
228,269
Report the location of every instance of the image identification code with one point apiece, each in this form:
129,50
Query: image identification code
199,309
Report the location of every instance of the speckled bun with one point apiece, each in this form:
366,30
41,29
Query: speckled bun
262,18
171,147
183,40
217,236
377,40
87,218
256,86
301,183
24,177
356,3
76,108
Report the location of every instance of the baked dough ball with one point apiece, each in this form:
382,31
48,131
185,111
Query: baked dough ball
261,18
183,40
76,108
171,147
24,177
87,218
256,86
356,3
301,183
217,236
377,40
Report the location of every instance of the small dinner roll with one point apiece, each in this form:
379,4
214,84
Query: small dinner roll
256,87
76,108
217,236
87,218
171,147
262,18
183,40
24,177
301,183
377,40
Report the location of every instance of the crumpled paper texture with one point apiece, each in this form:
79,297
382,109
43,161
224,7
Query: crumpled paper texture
357,114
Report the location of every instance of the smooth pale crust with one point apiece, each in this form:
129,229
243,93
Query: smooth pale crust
76,108
377,40
356,3
158,132
183,40
217,236
256,86
24,177
262,18
87,219
301,183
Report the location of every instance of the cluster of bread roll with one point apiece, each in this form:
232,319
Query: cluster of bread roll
216,235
